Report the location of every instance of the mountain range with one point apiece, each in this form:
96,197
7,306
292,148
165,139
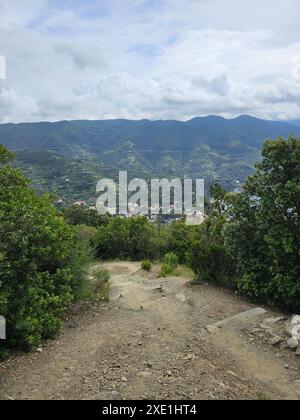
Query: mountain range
212,147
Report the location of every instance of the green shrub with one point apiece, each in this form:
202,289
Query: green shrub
165,270
208,256
171,260
146,265
101,284
42,264
179,239
127,239
77,215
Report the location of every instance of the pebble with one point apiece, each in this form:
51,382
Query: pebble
292,343
116,395
146,374
212,329
274,341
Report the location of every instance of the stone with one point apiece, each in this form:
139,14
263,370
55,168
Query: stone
157,288
255,331
295,320
292,343
293,327
181,297
271,321
39,350
298,351
265,327
242,317
124,379
274,341
295,332
148,364
212,329
145,375
116,395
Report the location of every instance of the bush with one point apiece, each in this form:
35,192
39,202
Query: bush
165,270
42,264
179,239
101,284
146,265
169,265
133,239
77,215
208,256
171,260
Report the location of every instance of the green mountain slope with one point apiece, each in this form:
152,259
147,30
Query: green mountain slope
210,147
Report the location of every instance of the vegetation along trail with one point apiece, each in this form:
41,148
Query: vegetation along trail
150,342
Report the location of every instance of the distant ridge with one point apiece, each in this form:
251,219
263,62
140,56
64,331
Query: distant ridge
211,147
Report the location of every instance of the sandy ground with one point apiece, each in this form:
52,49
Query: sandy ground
151,343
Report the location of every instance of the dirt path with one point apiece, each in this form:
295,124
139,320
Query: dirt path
151,343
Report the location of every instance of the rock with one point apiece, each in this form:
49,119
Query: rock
298,351
212,329
293,327
271,321
145,375
295,320
148,364
284,346
39,350
116,395
181,297
274,341
286,367
265,327
255,330
124,379
296,332
232,374
157,288
242,317
293,343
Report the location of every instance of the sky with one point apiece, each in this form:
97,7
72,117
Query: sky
149,59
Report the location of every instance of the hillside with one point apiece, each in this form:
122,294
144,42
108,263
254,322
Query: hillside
295,122
71,180
211,147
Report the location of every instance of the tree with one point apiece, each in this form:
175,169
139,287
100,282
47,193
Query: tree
264,228
77,215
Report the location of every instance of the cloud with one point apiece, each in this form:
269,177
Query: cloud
141,59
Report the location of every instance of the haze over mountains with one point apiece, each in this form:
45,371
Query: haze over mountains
210,147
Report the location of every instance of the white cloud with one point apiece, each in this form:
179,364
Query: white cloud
142,59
